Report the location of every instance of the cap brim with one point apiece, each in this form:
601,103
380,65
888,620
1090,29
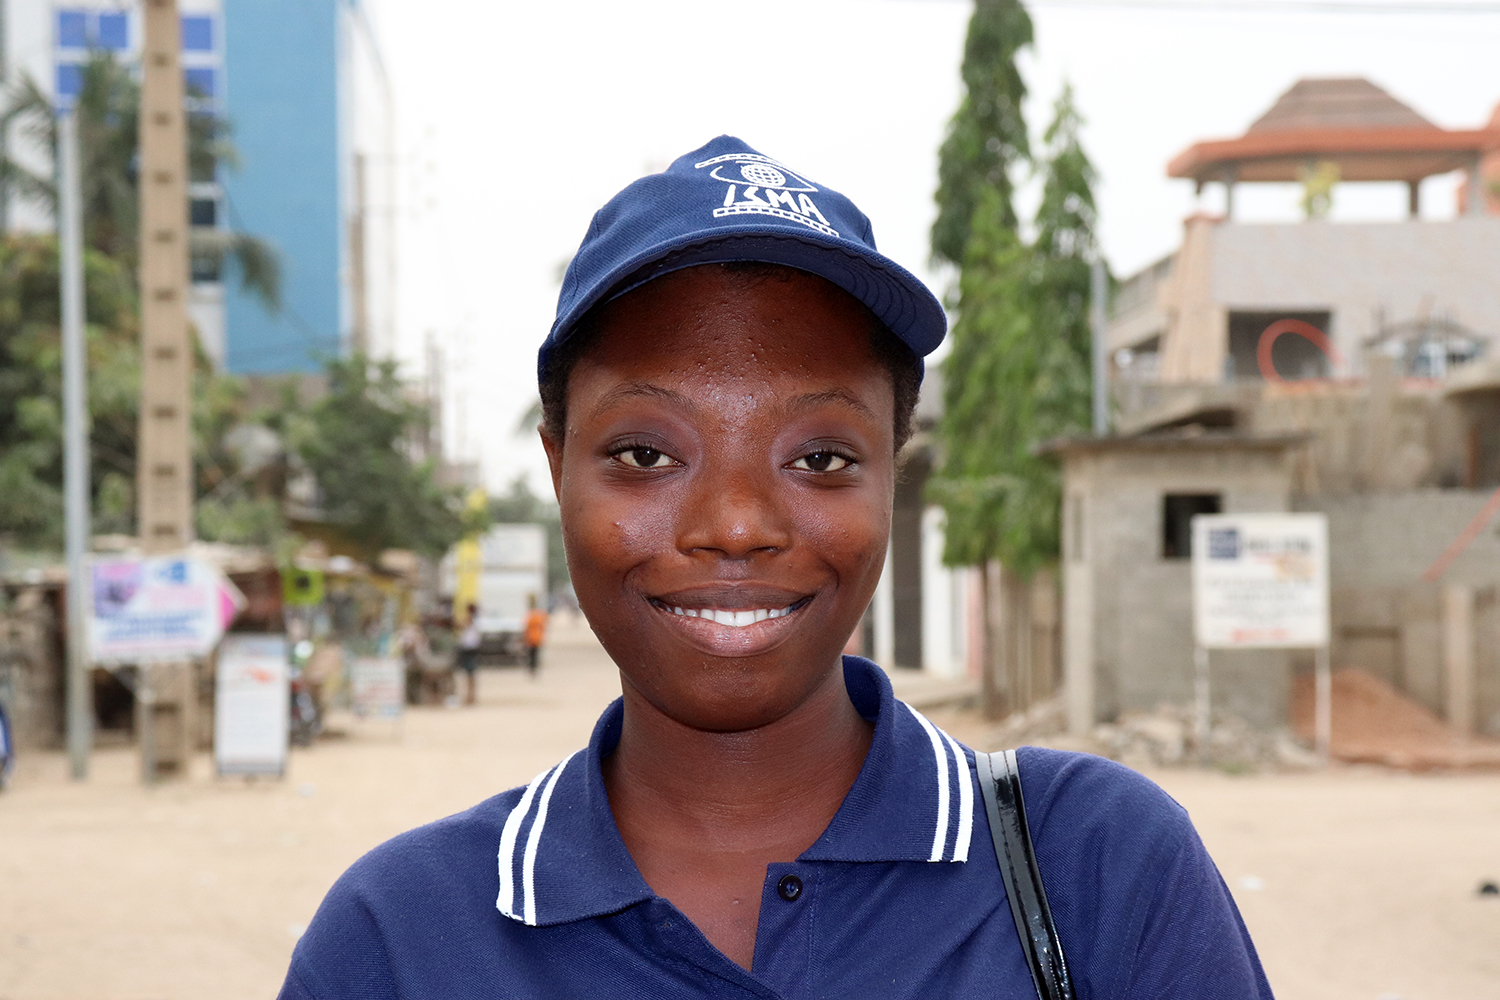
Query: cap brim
893,294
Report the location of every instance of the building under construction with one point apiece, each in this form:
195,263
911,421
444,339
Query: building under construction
1351,368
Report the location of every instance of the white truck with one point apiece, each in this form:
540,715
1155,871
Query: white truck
512,574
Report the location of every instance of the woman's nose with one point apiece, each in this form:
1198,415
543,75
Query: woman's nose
735,512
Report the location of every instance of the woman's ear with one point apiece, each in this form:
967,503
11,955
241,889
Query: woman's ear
553,448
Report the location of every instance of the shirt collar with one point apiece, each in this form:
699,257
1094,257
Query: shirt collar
561,857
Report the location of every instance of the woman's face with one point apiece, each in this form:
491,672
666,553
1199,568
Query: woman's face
726,487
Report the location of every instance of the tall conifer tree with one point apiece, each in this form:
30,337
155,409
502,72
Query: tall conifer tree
987,136
1018,373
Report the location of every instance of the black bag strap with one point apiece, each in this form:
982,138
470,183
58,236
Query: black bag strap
1000,784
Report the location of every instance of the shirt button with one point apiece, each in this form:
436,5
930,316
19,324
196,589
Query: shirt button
789,888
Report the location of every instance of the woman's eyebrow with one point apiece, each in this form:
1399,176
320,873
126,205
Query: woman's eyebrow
835,395
639,390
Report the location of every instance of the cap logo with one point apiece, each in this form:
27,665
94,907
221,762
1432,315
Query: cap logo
759,185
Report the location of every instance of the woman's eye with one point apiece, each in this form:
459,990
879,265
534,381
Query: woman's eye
821,461
643,458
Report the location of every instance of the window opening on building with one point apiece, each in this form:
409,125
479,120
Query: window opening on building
72,29
197,33
206,268
199,82
1295,357
114,31
1429,346
203,212
69,80
85,29
1141,363
1177,521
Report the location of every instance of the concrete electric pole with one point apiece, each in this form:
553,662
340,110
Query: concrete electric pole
78,530
164,469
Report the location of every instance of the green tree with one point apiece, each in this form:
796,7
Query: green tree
987,394
1018,372
1060,337
31,390
31,393
357,443
987,137
108,110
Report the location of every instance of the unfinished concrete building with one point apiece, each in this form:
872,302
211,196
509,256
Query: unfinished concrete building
1348,368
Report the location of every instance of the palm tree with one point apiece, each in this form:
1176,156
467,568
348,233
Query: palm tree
108,107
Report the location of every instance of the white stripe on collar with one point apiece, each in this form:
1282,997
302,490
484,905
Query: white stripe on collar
940,759
528,867
506,901
942,746
965,801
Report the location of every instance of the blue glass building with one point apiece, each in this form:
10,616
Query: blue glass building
282,61
301,84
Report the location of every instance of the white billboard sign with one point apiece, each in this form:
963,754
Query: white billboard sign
252,705
377,686
1260,580
159,608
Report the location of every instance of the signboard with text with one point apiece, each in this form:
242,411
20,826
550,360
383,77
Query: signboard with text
1260,581
377,686
252,705
159,608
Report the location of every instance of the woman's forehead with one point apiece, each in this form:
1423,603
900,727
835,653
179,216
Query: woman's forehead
717,318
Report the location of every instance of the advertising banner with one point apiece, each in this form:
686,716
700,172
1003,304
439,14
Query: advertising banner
377,686
163,608
1260,581
252,705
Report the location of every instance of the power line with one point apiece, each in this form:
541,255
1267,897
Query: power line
1276,6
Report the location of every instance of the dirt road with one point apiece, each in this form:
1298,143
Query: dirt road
1357,884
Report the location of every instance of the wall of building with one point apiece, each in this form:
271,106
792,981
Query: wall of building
31,668
1386,618
1365,273
35,48
1379,434
1128,636
282,64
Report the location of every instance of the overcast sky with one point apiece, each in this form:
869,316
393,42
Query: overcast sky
517,120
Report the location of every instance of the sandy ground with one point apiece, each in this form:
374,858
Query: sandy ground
1358,884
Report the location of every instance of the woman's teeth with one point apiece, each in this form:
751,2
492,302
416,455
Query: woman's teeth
735,619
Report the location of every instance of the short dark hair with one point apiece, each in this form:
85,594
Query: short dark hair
904,367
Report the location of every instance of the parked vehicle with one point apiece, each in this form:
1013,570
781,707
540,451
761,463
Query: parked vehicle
306,720
508,575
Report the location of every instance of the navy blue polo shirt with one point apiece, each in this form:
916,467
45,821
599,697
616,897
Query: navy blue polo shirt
532,893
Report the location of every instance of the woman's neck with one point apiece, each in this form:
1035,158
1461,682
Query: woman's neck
704,813
790,774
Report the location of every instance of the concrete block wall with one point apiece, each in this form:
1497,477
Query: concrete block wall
1387,619
1128,641
31,670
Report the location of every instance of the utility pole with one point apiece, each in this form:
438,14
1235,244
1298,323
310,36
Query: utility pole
164,469
4,132
77,530
359,334
1098,316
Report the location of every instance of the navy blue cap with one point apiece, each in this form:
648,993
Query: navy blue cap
726,202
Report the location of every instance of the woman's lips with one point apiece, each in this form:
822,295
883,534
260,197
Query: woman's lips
733,617
732,621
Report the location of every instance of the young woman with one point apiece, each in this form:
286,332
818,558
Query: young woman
732,372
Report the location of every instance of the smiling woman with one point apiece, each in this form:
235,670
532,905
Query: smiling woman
725,390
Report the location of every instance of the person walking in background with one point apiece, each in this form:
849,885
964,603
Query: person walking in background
468,652
536,630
